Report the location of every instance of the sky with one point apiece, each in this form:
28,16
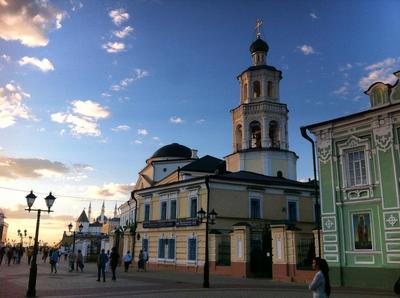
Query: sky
90,89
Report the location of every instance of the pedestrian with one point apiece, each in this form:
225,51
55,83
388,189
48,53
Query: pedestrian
320,285
127,260
15,255
2,253
9,255
114,259
72,259
79,261
45,255
146,259
54,256
108,261
140,261
101,265
30,255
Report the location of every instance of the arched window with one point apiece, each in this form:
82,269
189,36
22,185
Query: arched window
273,134
256,89
255,134
244,92
238,137
269,89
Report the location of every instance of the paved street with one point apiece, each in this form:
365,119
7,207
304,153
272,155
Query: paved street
14,282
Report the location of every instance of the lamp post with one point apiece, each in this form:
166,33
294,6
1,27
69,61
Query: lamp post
73,238
209,218
30,199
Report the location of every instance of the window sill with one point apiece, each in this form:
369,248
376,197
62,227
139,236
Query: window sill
357,187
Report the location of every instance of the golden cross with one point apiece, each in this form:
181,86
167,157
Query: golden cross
258,27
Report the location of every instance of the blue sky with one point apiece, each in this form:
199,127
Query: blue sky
90,89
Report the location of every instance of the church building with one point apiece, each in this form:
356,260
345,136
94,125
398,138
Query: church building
254,192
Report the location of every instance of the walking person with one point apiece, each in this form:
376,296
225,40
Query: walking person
72,259
2,253
79,261
108,262
102,259
9,254
30,255
127,260
54,256
114,259
140,261
320,285
145,259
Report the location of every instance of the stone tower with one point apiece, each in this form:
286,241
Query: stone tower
260,122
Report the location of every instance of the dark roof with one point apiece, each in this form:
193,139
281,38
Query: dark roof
246,176
83,217
259,45
173,150
95,224
207,164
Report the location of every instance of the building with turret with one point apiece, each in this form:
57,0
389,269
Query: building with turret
3,229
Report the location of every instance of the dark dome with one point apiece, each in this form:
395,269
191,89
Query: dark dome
259,46
173,150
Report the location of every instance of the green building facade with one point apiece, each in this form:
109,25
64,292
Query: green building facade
359,173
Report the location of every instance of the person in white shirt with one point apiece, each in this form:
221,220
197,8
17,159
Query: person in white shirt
127,260
320,285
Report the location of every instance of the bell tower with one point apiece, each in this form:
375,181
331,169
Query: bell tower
259,123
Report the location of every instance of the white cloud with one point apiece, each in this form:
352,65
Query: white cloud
342,90
345,67
138,74
313,16
105,94
14,168
200,121
44,65
121,128
176,120
156,138
379,72
76,5
124,32
114,47
12,105
6,58
139,142
29,21
306,49
90,108
118,16
83,120
142,131
110,190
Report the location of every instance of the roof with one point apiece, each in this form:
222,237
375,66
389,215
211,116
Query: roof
83,217
95,224
260,67
246,176
207,164
259,45
173,150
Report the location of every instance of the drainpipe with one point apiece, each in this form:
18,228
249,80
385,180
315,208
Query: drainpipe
303,130
135,225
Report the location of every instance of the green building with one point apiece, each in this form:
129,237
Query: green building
359,171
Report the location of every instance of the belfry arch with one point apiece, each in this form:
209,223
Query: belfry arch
273,134
238,137
255,134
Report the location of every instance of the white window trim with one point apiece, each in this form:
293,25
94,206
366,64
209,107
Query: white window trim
257,196
197,249
192,194
168,198
354,144
166,259
294,200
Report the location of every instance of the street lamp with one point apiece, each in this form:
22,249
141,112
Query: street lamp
73,238
209,218
30,199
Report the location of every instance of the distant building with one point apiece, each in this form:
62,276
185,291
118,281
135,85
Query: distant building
359,170
3,229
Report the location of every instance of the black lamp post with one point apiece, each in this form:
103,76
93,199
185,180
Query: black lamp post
209,217
30,199
73,238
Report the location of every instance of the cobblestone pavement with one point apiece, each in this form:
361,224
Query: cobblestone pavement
14,282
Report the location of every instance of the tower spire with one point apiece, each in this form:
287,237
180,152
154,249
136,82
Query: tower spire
257,28
90,211
115,211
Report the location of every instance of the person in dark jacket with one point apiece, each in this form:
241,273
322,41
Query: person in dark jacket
102,259
114,259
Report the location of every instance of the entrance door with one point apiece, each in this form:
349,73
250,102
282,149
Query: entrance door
261,253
